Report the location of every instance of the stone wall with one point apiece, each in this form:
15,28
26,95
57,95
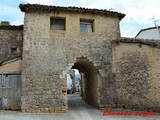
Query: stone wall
10,42
48,54
136,66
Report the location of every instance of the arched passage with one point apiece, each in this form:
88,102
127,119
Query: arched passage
89,80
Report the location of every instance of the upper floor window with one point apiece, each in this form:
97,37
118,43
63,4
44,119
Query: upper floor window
86,25
58,24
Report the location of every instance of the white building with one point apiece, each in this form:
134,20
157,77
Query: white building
149,33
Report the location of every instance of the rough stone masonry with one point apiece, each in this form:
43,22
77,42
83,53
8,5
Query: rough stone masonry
48,54
120,72
10,42
136,66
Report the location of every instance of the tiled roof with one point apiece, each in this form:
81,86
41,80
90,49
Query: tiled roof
138,40
11,27
34,7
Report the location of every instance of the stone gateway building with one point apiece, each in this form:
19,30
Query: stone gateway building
116,71
57,39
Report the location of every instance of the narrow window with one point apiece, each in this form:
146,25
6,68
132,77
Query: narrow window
86,25
13,50
57,24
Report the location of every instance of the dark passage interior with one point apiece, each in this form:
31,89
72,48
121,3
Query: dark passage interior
88,82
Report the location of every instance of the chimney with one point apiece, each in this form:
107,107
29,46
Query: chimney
5,23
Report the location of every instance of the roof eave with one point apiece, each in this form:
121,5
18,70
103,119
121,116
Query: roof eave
32,7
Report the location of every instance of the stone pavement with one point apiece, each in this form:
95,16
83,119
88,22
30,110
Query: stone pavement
78,110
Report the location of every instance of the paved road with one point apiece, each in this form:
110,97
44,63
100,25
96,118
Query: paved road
78,110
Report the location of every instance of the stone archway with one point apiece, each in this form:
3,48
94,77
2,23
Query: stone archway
90,80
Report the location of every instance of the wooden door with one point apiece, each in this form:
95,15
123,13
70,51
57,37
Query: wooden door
10,91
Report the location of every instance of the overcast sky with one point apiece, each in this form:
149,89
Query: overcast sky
139,13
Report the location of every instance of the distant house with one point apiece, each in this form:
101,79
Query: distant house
73,81
149,33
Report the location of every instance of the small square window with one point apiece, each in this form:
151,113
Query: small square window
13,50
57,24
86,25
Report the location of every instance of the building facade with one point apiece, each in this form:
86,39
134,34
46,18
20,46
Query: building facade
10,42
57,39
10,65
149,33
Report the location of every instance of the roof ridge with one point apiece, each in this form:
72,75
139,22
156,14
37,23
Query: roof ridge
12,27
151,42
30,7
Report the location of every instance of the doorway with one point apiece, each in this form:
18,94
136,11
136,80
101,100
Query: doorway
82,81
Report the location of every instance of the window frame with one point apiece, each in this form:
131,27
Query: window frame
57,18
86,22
